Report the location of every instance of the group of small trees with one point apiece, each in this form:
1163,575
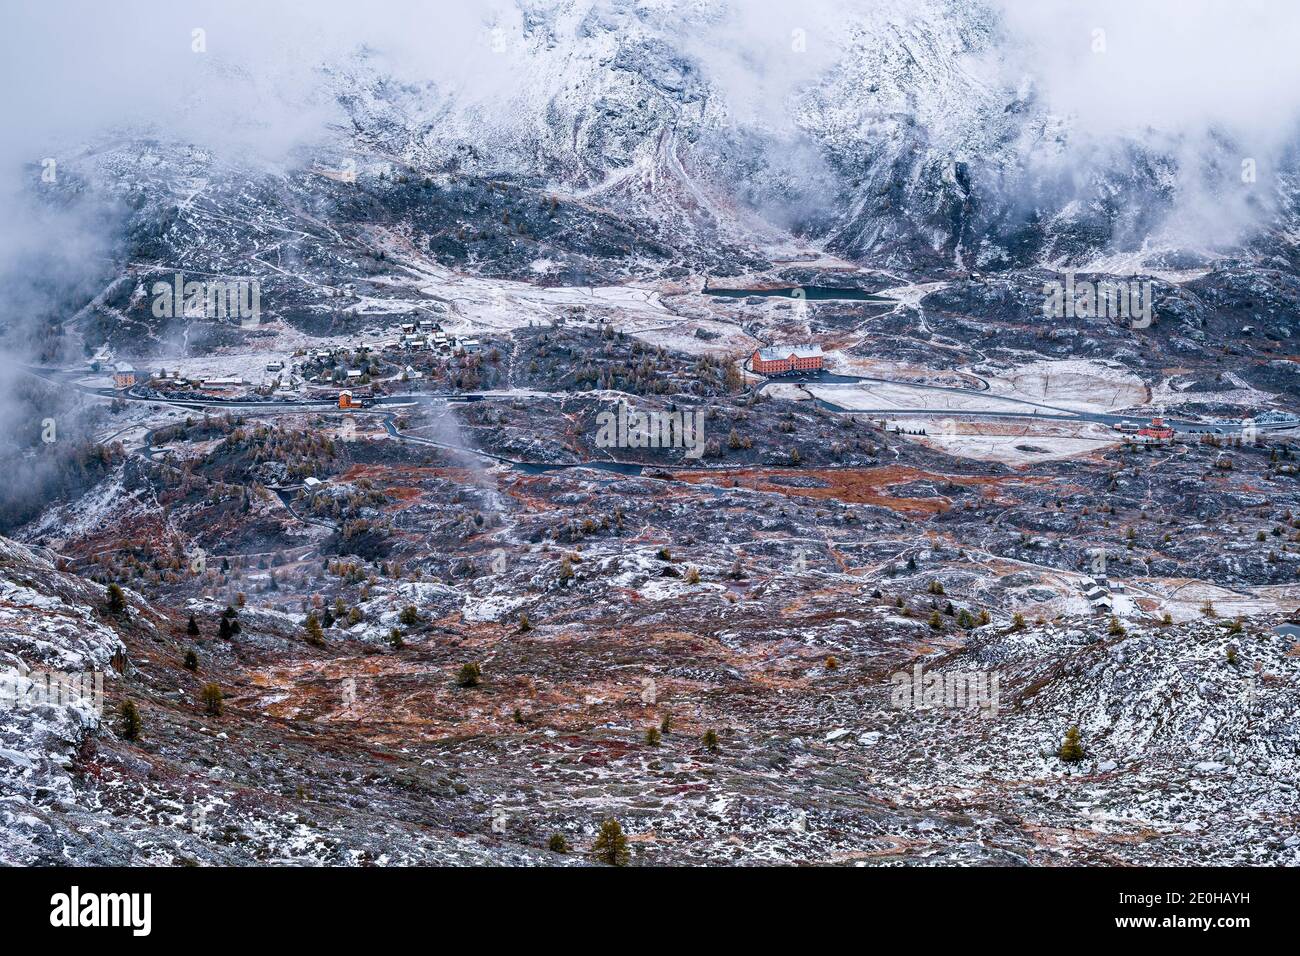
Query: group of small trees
229,624
64,469
610,846
131,723
965,619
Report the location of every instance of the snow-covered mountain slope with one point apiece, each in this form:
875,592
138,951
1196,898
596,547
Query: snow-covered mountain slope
50,623
602,141
1188,734
899,131
1189,737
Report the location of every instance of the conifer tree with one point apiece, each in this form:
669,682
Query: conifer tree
471,675
315,636
611,845
1071,750
131,722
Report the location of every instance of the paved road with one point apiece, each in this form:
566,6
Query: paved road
1034,410
67,377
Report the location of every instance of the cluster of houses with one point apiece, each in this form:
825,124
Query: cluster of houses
172,380
126,376
1097,592
1159,430
421,335
425,335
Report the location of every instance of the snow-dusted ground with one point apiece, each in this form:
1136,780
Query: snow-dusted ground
1185,599
1077,384
1013,441
1071,385
887,395
1167,393
47,623
1136,263
107,503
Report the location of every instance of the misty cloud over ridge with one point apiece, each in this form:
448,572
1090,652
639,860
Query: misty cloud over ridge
1171,66
1213,86
1177,66
1204,83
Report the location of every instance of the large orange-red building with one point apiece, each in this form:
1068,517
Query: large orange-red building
1157,429
787,358
123,376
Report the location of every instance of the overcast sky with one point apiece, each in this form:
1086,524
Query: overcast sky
1179,65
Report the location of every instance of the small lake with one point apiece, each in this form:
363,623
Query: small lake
810,292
